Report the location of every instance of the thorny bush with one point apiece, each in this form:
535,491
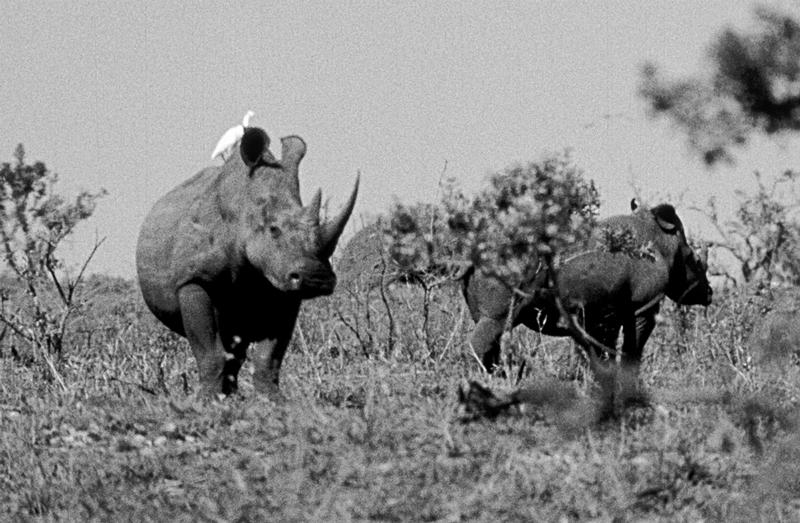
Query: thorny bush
764,239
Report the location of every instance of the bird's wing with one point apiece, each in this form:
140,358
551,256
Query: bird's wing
228,140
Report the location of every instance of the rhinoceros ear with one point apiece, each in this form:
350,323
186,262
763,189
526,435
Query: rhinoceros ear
667,218
253,144
293,148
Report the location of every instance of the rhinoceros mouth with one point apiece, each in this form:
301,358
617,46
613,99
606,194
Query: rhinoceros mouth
310,286
309,291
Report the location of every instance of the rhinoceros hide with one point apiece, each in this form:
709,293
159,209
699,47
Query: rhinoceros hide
609,290
226,258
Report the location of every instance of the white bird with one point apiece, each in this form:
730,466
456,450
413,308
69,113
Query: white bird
231,137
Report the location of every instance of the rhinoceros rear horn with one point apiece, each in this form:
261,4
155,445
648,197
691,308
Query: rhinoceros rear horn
253,144
667,218
331,231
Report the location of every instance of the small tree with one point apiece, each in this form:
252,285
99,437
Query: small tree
764,239
381,258
527,216
526,212
421,248
33,223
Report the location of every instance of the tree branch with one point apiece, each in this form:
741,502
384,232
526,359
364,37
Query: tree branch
77,281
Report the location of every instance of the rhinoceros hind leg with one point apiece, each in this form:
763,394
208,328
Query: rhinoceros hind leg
235,354
642,327
217,368
485,342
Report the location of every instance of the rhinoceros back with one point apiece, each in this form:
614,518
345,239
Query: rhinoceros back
163,240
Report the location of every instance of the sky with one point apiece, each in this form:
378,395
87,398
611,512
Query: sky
132,97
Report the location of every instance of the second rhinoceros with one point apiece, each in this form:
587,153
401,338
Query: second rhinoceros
225,259
610,290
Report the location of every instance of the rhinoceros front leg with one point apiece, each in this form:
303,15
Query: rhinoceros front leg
217,367
268,353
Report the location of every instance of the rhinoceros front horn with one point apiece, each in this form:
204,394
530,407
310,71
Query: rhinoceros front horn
331,231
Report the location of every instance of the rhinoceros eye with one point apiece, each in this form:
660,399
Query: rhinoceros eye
275,231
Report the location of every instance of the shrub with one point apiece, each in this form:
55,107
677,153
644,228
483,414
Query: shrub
35,221
764,239
527,211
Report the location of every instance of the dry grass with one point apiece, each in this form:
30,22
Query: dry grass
368,433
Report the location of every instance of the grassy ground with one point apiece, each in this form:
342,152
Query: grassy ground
372,429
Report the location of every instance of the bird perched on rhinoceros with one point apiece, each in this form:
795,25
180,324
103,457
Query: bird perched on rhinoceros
226,257
230,139
610,289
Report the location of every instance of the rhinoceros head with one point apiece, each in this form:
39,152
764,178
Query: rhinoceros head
282,238
688,282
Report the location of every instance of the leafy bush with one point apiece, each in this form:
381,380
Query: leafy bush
526,211
33,223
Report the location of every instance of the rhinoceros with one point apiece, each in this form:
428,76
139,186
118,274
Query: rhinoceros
367,263
364,263
611,290
225,259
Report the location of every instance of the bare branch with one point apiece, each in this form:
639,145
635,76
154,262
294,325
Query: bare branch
386,305
74,284
54,278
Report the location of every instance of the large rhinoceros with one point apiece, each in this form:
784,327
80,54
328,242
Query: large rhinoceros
226,257
364,263
610,290
367,263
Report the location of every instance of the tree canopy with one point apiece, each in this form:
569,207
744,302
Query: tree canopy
34,221
753,86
